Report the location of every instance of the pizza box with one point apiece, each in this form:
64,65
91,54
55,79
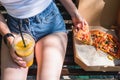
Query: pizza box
100,14
90,59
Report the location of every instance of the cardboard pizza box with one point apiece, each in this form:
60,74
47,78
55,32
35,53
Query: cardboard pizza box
91,59
99,12
102,15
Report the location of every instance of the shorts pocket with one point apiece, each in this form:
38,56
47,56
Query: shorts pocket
50,17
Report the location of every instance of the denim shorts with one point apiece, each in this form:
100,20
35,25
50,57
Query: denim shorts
47,22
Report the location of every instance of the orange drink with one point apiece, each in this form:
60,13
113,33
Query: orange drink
26,52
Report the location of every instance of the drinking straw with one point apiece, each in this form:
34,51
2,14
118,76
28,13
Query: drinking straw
20,25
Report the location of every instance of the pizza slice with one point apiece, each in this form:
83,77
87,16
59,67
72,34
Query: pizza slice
83,35
97,38
106,42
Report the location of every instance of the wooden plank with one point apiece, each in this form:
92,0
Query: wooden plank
77,72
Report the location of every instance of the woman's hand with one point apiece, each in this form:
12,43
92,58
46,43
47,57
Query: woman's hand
18,60
78,21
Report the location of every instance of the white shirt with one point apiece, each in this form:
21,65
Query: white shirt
25,8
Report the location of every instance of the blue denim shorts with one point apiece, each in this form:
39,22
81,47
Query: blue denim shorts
47,22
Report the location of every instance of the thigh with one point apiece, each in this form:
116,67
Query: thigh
50,52
9,69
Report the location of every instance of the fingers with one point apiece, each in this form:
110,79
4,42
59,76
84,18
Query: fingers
79,22
20,63
18,60
80,25
84,22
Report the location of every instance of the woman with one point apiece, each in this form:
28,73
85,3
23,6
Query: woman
41,19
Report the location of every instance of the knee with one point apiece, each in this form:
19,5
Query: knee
14,74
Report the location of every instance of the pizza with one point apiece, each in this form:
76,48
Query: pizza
100,40
106,42
83,35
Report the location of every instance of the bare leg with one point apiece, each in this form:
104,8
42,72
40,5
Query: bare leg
9,69
50,52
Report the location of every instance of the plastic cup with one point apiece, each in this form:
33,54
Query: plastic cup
27,53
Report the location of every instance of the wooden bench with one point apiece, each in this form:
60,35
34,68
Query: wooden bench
70,68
